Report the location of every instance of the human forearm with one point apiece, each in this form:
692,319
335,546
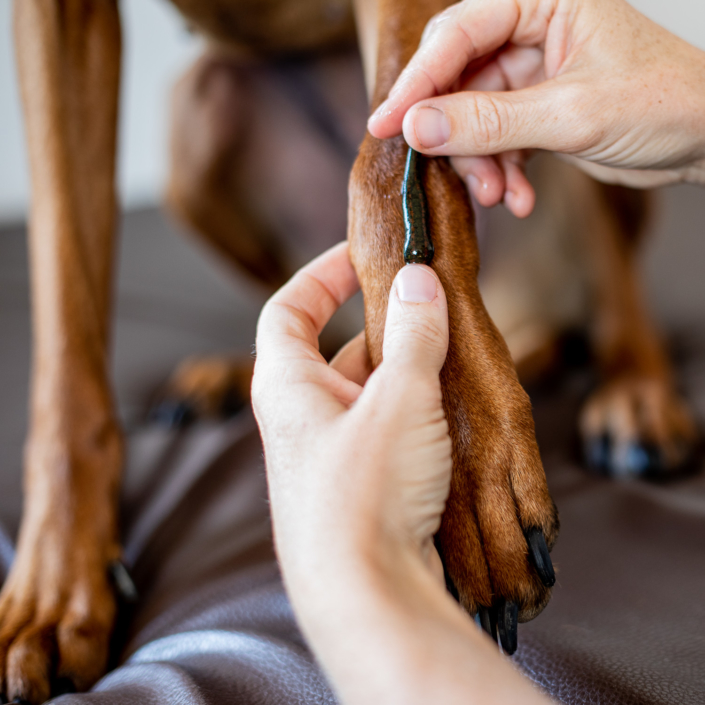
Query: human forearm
386,631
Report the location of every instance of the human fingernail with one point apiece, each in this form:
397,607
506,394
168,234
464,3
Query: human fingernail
416,284
377,114
432,127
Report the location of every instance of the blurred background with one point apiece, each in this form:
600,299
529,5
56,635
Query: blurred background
157,49
173,298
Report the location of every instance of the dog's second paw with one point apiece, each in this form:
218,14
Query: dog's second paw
56,618
58,603
637,427
204,387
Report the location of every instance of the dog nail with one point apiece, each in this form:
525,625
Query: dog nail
232,404
173,414
540,557
644,459
487,618
598,452
20,701
507,623
124,585
63,686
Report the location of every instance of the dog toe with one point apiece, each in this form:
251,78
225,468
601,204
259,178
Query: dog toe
82,650
28,665
207,387
637,428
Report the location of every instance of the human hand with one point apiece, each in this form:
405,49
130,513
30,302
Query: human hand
592,79
357,461
358,466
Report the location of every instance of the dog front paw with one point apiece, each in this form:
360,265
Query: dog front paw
56,618
204,387
637,426
500,521
58,604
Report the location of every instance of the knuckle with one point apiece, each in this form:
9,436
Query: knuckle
436,21
422,331
488,122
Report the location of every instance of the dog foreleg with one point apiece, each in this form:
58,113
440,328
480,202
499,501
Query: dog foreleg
57,606
498,496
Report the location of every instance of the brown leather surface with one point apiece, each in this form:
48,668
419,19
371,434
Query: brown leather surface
213,625
627,621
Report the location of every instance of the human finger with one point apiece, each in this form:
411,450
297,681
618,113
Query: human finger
353,360
512,68
453,39
294,316
483,176
519,196
416,329
479,124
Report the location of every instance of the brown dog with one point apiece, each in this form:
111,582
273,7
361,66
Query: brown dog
57,607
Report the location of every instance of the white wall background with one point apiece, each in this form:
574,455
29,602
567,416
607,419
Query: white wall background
157,48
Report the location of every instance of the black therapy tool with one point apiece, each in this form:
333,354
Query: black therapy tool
418,246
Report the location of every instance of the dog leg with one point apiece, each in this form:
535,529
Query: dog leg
635,423
498,491
209,118
210,113
57,606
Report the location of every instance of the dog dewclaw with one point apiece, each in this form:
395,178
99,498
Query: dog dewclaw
418,246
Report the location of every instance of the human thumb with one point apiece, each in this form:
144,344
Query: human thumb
416,331
473,123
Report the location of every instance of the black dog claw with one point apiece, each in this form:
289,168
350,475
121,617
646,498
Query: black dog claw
507,623
123,583
487,619
644,460
62,686
598,454
173,414
540,557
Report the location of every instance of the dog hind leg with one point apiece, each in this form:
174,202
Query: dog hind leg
57,606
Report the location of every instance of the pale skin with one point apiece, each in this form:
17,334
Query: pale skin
593,80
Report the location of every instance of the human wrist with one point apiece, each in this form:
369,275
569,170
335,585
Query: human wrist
337,550
386,630
365,613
